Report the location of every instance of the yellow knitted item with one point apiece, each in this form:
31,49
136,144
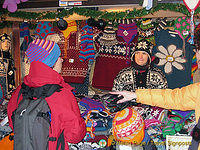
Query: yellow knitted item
72,27
128,127
6,143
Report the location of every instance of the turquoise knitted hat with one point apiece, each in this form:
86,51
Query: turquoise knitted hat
44,51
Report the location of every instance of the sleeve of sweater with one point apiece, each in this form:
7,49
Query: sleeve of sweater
184,98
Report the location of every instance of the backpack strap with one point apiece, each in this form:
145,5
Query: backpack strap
20,92
38,92
12,116
61,141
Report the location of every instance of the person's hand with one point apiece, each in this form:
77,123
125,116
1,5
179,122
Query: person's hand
128,96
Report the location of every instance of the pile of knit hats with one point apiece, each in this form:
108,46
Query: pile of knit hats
110,101
44,51
87,104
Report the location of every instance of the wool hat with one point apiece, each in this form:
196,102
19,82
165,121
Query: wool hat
127,31
182,26
24,29
43,29
44,51
146,30
125,21
143,45
86,104
197,37
108,36
5,36
71,27
128,126
162,23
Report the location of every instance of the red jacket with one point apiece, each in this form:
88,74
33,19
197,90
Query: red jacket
65,111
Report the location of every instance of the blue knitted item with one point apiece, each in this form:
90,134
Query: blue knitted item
90,104
24,30
1,94
43,29
87,48
44,51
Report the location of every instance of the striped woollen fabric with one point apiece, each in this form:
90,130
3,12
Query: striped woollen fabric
87,48
44,51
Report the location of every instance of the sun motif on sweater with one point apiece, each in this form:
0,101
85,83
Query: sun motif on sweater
170,57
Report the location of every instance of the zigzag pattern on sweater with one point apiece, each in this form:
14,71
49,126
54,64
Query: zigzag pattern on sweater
87,51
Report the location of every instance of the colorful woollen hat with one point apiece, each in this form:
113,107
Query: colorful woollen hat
43,29
128,126
145,46
197,37
4,37
127,31
72,27
182,26
44,51
146,30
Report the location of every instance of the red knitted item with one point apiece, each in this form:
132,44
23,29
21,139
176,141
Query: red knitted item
106,69
107,65
73,71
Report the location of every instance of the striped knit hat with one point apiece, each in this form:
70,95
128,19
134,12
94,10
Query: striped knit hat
128,126
44,51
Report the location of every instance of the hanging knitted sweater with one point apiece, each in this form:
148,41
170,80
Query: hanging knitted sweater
73,71
113,57
174,62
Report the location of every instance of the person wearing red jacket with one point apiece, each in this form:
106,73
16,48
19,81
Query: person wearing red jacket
45,67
